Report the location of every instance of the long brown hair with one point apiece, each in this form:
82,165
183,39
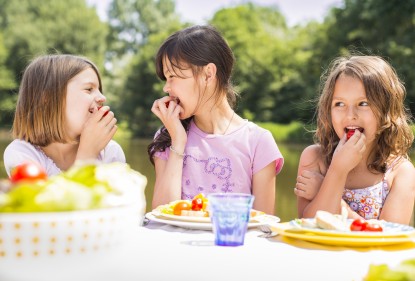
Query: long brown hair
194,47
40,110
385,93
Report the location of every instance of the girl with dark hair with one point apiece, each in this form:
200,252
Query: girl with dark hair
204,146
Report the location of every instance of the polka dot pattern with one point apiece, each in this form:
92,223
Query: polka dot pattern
35,235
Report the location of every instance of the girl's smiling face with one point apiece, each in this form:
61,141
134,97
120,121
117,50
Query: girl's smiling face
83,97
350,108
182,84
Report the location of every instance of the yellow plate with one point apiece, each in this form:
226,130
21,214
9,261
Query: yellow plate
390,230
342,240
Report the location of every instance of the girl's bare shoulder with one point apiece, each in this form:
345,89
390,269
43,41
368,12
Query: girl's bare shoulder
404,167
312,156
312,151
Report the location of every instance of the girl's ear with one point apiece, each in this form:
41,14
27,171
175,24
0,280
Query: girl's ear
209,72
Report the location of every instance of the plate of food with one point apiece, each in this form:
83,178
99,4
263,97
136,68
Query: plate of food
338,230
194,214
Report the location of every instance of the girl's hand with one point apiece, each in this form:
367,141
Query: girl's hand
97,133
168,111
308,184
349,153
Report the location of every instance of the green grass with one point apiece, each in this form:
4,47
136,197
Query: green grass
295,132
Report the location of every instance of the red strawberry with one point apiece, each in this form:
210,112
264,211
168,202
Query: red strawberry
105,114
350,133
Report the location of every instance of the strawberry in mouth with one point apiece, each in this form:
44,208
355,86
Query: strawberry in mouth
105,114
350,132
167,103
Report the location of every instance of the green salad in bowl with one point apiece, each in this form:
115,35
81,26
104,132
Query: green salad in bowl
82,187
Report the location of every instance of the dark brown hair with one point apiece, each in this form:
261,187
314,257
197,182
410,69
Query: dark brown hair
195,47
385,93
40,110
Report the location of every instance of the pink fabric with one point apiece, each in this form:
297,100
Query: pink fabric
225,163
19,151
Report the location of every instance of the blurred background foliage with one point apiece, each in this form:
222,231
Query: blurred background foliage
277,70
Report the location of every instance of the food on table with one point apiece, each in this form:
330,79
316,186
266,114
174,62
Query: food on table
403,271
28,171
350,132
197,207
364,225
84,186
327,220
358,225
181,206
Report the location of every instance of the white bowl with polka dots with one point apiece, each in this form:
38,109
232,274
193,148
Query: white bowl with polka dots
45,246
36,246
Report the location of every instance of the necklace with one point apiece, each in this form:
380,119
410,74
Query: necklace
230,121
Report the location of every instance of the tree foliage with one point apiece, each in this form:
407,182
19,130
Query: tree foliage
34,27
377,27
277,70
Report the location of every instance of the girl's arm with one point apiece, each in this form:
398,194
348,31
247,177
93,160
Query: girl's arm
346,156
168,184
309,163
263,188
399,204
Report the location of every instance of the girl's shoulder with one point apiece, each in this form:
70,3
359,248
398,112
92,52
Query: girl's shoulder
313,150
403,166
312,157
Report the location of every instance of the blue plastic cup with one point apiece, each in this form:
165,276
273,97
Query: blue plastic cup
230,216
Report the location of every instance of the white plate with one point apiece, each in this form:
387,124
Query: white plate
206,225
390,229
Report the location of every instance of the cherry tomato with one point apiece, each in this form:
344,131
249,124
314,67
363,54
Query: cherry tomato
205,200
27,171
182,205
105,114
358,225
197,204
373,227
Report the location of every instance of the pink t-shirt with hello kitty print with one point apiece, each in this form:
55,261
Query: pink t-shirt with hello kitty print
225,163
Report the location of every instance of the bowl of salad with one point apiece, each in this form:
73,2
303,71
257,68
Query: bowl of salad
48,225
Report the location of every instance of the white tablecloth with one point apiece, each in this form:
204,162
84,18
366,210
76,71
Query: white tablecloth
167,253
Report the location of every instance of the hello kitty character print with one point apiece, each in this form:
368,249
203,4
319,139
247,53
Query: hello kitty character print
225,163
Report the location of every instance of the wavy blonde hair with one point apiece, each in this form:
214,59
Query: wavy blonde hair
385,93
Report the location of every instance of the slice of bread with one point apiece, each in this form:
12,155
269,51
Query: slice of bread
327,220
191,213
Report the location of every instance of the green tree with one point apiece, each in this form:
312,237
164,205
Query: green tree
268,60
7,83
34,27
137,30
378,27
132,21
